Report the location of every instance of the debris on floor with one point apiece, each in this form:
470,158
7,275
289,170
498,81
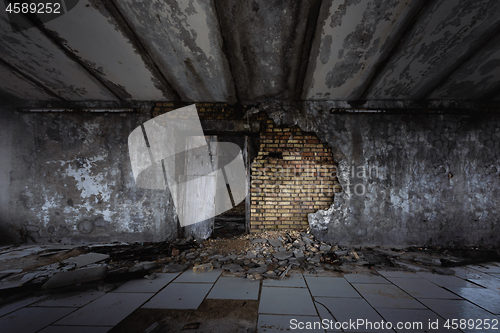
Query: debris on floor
267,255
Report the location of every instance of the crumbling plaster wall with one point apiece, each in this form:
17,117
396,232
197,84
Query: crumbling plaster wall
428,178
71,181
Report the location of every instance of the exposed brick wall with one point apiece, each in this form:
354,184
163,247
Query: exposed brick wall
299,177
293,175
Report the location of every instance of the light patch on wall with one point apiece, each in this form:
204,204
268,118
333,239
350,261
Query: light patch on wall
87,183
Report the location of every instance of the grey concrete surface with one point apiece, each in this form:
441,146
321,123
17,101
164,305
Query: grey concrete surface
70,180
411,179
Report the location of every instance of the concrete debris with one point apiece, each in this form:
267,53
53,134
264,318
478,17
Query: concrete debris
266,255
87,259
353,255
175,268
275,242
203,268
428,261
233,268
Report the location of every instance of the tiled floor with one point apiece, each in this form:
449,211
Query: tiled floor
317,303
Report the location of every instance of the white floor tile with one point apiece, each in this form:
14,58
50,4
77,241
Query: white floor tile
349,310
422,288
412,320
399,274
76,329
485,298
235,288
294,281
72,300
291,301
459,309
207,277
146,286
28,320
11,307
107,310
446,280
387,296
326,286
180,296
365,278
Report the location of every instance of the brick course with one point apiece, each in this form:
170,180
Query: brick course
293,175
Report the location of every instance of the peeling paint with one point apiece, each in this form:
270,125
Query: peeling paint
443,36
361,34
33,54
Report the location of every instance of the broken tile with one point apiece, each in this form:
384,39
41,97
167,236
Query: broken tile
235,288
69,278
27,320
387,296
421,288
107,310
284,323
293,281
292,301
365,278
73,300
179,296
146,286
325,314
87,259
345,310
330,287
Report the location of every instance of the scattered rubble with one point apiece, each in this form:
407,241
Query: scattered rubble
267,255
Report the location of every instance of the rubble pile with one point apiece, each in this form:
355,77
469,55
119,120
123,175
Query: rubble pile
266,255
270,254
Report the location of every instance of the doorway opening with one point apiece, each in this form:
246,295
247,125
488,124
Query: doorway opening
232,222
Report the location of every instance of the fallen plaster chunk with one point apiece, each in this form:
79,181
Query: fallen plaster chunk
69,278
87,259
203,268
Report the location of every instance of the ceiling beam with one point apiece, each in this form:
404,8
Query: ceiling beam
25,76
121,21
380,67
225,51
116,91
473,50
307,45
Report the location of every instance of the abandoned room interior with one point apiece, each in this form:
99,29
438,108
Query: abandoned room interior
249,166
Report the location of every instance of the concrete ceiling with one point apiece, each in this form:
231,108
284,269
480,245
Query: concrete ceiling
258,50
